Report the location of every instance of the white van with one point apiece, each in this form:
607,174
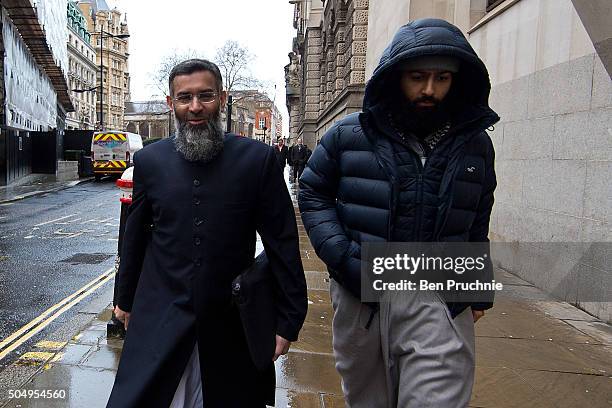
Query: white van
112,151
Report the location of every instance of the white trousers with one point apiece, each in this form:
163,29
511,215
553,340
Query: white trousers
189,391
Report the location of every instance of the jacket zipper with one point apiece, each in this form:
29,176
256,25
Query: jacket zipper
418,214
392,203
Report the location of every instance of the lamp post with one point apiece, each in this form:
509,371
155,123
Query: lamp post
104,34
230,103
92,89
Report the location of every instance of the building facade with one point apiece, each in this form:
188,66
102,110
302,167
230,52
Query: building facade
549,63
105,26
326,74
251,112
82,71
149,119
34,97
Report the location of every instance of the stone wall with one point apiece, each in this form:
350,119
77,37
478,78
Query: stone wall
553,145
331,44
344,49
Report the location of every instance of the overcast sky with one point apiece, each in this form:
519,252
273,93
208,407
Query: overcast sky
265,27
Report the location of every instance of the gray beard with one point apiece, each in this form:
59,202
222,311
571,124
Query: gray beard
199,143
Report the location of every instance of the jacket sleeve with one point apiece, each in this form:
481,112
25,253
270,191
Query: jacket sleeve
317,201
277,227
479,232
135,239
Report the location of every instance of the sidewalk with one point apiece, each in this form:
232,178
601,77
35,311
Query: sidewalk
35,184
532,351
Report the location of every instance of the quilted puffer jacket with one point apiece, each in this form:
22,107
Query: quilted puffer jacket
355,189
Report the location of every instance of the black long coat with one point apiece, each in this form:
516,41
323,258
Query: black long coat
191,229
281,155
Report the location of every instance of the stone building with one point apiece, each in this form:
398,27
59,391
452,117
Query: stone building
113,52
550,63
82,71
149,119
326,74
251,112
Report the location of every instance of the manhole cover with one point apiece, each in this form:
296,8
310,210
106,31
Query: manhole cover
88,259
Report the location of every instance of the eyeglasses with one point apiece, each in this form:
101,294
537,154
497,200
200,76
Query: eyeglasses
202,97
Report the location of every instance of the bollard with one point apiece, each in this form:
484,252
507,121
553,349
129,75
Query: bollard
114,328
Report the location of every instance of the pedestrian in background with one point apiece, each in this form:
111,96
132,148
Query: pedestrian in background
281,152
415,166
299,156
199,199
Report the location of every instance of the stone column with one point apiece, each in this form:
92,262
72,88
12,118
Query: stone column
356,42
311,83
340,60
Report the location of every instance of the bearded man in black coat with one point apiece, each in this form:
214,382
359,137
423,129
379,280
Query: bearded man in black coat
199,199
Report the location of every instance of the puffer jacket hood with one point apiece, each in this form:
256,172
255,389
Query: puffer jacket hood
431,36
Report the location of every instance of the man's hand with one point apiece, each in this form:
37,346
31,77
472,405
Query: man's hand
124,317
282,347
477,314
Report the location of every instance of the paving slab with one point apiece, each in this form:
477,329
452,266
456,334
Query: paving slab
82,387
502,387
103,357
308,372
541,355
73,354
290,398
599,331
565,390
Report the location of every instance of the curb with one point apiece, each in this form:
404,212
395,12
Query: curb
41,192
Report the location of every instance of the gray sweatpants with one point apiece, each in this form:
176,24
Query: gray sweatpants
412,355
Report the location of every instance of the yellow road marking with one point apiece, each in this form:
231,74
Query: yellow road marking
39,356
43,320
50,345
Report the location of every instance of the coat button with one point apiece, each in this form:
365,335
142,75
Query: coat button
196,183
197,262
197,241
198,221
196,201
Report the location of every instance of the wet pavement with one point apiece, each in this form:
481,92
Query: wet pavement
532,351
35,184
52,245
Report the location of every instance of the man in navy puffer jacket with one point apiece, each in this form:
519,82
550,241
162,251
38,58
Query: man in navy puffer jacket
415,166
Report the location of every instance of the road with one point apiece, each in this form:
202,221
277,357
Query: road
51,246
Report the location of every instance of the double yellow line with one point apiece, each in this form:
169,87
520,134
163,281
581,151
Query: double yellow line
43,320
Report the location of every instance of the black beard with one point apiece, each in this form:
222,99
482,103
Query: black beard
199,143
420,121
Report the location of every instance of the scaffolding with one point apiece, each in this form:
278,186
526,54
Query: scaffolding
24,16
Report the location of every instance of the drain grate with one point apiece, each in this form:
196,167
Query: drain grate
87,259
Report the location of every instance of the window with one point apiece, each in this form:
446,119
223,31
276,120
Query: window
262,123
